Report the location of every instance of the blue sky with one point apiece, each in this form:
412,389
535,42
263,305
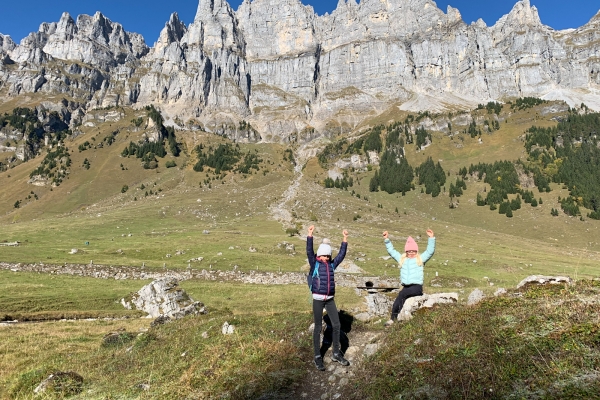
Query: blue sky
149,16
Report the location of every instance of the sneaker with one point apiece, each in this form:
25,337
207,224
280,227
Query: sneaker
338,357
389,323
319,363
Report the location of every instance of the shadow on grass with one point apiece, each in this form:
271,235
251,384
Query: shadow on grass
346,321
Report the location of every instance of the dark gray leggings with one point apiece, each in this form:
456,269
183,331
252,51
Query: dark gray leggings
406,292
331,309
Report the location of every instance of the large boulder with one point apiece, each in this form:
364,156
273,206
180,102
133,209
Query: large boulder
413,304
164,298
378,304
542,280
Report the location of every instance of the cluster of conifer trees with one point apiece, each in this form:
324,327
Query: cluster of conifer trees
54,166
569,153
148,151
338,183
222,158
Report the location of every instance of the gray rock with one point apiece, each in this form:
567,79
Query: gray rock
64,383
378,304
363,317
163,297
292,74
413,304
475,297
371,349
227,329
542,280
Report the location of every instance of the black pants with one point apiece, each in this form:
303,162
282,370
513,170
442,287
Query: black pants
331,309
406,292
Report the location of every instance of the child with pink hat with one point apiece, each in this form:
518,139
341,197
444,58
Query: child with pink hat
411,269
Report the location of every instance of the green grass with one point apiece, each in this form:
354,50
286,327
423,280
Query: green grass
29,296
175,360
32,296
545,344
266,353
482,347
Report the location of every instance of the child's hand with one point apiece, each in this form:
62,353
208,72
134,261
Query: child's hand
385,234
429,233
310,230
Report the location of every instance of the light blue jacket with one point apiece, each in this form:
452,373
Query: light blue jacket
411,273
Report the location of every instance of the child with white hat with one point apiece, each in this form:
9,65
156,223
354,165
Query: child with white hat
322,285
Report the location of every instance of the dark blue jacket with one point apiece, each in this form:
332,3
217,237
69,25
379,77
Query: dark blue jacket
323,281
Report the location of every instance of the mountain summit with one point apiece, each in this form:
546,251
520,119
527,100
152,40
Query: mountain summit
288,71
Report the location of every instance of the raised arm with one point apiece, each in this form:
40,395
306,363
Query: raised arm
430,246
390,247
342,253
310,252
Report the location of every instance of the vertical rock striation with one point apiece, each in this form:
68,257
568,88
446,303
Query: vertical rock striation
295,75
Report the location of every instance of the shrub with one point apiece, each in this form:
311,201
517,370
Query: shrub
292,231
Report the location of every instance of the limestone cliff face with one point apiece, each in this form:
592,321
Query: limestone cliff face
6,44
295,75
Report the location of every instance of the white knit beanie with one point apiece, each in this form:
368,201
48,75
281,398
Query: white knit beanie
324,248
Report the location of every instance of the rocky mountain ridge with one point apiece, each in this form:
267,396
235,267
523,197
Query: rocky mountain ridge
294,75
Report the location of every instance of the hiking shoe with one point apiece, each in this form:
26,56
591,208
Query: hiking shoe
338,357
319,363
389,323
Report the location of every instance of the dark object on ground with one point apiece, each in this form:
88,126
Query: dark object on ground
319,363
337,357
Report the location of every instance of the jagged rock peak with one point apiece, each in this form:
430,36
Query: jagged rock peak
47,28
93,39
66,26
522,14
214,27
6,43
453,14
173,31
211,7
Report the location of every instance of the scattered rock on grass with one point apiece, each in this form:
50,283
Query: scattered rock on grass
65,383
117,338
475,297
227,329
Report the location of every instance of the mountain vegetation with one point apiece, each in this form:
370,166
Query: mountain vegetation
241,207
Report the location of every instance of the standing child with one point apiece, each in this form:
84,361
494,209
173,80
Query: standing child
322,284
411,269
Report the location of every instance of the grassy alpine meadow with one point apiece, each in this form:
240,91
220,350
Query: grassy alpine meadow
540,342
110,210
189,358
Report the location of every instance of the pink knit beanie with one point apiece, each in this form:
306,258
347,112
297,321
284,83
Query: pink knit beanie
411,244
